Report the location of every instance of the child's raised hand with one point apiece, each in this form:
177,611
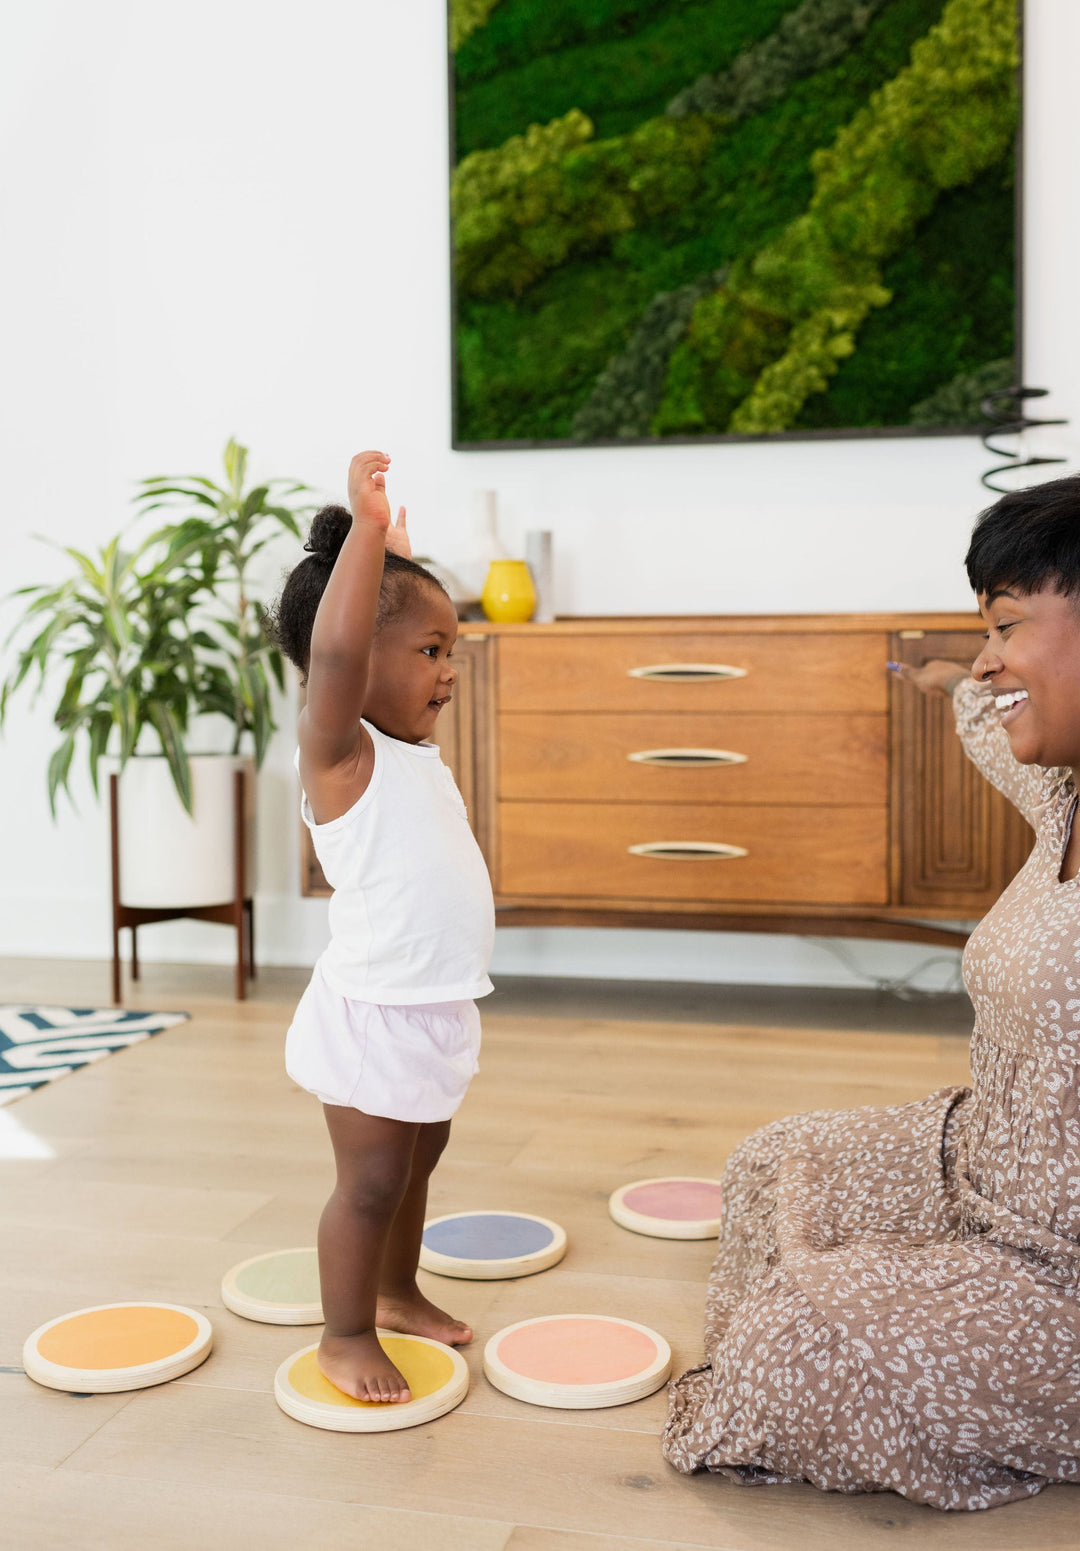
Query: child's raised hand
397,537
367,489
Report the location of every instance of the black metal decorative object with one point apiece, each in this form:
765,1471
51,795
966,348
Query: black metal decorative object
1005,409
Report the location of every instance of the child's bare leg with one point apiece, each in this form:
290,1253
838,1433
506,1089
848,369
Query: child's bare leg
374,1159
402,1306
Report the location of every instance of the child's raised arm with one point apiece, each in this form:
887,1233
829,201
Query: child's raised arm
331,736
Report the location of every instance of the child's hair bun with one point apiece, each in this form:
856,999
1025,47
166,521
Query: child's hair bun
329,528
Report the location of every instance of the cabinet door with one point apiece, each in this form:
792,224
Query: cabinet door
956,841
464,736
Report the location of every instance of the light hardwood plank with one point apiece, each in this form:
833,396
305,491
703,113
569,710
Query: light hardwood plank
529,1539
861,1523
54,1510
130,1208
42,1426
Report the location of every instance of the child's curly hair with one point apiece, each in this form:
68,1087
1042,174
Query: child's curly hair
289,621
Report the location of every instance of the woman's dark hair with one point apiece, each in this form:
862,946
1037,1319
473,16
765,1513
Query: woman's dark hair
1029,540
290,620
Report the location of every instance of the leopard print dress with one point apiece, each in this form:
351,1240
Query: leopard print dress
895,1304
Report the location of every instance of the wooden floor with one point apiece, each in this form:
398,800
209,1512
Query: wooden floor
168,1163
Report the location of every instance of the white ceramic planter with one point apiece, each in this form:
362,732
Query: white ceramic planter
170,858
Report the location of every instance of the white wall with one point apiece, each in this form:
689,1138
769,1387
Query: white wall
230,218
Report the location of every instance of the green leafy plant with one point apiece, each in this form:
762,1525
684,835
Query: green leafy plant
221,529
943,120
466,16
960,402
523,209
118,630
148,635
807,40
628,391
619,61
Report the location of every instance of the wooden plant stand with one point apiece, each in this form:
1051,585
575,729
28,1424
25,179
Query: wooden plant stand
239,912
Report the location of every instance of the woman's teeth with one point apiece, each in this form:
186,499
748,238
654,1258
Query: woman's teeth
1012,697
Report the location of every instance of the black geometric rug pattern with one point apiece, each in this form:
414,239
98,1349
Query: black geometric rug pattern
39,1044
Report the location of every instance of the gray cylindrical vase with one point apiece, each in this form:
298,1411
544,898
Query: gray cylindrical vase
540,556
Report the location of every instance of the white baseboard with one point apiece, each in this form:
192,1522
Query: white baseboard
293,931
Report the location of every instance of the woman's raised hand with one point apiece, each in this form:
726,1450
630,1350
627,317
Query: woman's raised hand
367,489
934,677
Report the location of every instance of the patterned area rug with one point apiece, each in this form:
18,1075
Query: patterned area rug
39,1044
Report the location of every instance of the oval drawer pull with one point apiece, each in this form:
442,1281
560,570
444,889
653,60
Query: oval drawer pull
687,759
688,851
687,672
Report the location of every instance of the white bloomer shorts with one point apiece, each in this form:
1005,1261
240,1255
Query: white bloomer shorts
406,1063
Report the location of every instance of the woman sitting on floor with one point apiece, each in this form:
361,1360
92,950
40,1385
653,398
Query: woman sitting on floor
895,1304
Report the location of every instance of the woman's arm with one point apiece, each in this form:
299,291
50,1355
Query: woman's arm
985,741
335,761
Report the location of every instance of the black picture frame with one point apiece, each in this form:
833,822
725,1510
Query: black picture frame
808,434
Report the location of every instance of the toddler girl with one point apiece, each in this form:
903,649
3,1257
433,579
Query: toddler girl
387,1033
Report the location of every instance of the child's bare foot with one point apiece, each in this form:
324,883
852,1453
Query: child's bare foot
359,1366
414,1315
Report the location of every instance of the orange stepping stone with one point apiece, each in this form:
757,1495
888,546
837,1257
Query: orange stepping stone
117,1346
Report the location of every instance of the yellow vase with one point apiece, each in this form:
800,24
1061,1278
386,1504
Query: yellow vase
508,597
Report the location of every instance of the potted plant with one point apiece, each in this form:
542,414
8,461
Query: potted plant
149,638
221,530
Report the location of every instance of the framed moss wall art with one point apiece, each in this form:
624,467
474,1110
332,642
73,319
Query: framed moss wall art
682,220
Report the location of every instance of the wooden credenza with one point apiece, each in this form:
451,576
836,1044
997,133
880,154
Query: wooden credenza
758,773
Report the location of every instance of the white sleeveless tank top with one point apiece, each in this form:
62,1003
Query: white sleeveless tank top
412,918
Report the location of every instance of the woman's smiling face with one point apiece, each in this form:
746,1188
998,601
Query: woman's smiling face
1031,660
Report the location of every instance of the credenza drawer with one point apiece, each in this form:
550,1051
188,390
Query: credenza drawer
707,672
726,757
799,855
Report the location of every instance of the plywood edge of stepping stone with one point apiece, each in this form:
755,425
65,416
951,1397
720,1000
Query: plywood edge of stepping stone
577,1362
436,1374
279,1288
470,1244
117,1346
676,1206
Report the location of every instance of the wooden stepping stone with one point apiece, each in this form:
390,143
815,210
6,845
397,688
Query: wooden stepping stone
577,1362
436,1375
491,1246
117,1346
675,1207
281,1288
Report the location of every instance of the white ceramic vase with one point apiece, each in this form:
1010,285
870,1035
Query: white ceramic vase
169,858
486,545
